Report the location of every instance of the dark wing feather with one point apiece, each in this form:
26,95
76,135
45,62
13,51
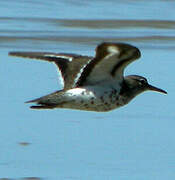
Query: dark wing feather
70,65
109,63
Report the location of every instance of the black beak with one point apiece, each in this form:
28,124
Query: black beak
153,88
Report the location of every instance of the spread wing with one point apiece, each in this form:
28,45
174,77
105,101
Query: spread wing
109,63
70,65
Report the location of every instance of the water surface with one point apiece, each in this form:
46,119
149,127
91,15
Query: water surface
131,143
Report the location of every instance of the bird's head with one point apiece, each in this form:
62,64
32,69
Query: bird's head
137,84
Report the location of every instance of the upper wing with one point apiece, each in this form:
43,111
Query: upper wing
70,65
109,62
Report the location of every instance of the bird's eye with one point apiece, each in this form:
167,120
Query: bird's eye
142,82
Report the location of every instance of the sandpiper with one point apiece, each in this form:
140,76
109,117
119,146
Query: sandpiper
93,83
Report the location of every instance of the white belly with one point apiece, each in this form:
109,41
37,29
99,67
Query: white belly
92,98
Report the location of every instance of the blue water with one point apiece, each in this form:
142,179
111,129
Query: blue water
135,142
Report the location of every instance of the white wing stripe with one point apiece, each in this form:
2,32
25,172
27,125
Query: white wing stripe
59,56
79,74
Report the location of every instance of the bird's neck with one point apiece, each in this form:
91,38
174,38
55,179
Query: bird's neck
129,91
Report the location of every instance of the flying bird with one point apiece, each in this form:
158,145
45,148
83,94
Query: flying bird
93,83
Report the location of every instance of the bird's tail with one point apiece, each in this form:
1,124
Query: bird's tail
49,101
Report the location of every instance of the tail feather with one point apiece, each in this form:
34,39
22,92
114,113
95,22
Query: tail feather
43,107
49,101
